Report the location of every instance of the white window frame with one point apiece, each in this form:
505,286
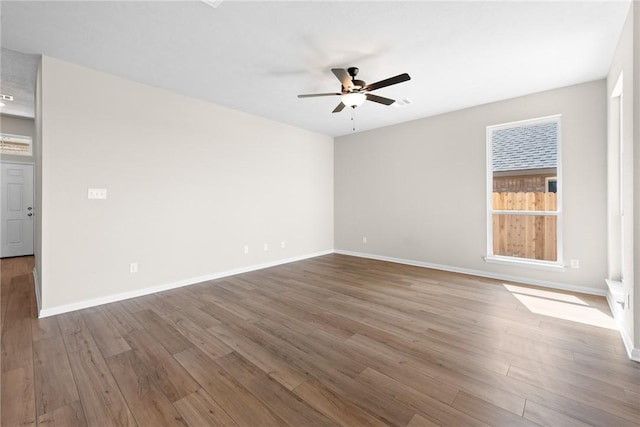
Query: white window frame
9,136
510,260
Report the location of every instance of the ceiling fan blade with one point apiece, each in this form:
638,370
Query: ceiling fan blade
344,77
379,99
339,108
388,82
311,95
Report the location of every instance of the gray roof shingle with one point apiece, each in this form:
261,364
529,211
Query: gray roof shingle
525,147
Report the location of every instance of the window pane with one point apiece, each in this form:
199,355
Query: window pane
524,161
15,144
525,236
523,170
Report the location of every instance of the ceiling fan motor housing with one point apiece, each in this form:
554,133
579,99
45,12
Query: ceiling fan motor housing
358,84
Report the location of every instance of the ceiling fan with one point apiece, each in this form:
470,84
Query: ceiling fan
355,92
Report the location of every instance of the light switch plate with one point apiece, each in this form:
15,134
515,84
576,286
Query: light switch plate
97,193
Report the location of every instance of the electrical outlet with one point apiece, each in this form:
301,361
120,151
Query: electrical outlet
575,263
266,247
246,249
133,267
364,239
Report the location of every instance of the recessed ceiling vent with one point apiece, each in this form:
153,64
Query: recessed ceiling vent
402,102
212,3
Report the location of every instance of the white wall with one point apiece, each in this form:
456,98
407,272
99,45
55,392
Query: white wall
635,7
417,190
37,148
189,184
622,63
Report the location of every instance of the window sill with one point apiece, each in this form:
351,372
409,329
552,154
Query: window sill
518,262
617,290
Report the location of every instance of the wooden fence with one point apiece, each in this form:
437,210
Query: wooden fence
525,201
525,236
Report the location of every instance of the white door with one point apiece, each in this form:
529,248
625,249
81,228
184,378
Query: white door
17,214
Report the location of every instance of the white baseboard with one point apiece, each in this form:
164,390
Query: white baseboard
634,353
36,284
480,273
616,310
52,311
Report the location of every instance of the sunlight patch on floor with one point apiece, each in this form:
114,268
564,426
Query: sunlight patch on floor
561,306
544,294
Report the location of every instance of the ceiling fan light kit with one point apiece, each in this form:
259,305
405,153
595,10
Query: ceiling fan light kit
355,92
353,99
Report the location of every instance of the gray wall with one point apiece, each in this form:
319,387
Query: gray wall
417,190
17,126
189,184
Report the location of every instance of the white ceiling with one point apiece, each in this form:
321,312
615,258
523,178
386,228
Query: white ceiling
17,78
257,56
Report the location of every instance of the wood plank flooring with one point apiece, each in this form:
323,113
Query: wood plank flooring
333,340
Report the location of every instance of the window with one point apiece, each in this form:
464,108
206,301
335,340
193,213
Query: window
15,144
619,194
524,192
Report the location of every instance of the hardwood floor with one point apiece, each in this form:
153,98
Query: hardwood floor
333,340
